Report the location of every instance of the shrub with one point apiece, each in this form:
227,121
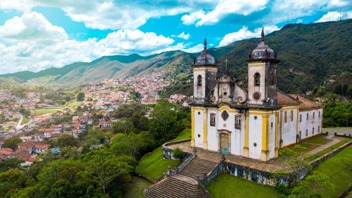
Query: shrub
179,154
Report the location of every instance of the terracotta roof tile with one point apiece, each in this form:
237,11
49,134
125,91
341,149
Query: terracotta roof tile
285,99
306,104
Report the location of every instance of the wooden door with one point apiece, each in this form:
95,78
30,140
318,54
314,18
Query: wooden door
224,143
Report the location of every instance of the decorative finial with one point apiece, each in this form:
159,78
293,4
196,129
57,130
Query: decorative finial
262,34
205,43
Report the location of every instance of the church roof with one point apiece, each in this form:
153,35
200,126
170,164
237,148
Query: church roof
306,104
262,51
205,58
285,99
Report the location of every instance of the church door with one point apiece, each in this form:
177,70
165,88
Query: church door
224,143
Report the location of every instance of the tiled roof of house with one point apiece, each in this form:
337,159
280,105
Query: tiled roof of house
285,99
305,103
6,151
42,146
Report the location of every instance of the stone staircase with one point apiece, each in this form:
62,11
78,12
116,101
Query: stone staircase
174,187
183,184
198,167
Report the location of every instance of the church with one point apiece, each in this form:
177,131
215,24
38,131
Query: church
253,122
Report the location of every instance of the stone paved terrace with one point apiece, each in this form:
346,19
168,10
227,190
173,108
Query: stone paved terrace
271,166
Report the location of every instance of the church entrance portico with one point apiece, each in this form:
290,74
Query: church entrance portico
224,141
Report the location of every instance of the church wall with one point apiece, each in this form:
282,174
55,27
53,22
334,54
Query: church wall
198,127
255,136
198,93
271,144
289,125
254,68
311,126
213,136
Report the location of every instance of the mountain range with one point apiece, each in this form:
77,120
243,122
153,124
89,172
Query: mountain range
310,55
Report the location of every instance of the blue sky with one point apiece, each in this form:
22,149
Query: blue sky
38,34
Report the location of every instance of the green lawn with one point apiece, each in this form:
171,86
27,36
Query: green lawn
25,120
153,165
338,168
135,189
227,185
45,111
319,139
329,149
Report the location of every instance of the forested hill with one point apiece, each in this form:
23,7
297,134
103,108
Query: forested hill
310,55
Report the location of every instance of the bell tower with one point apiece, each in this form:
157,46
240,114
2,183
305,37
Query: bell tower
204,75
262,77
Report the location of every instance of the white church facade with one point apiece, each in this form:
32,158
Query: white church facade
255,122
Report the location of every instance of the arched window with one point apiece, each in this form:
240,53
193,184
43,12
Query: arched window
256,79
199,80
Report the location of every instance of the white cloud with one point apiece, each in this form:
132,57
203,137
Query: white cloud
224,8
21,5
335,16
184,36
31,42
195,49
244,33
125,41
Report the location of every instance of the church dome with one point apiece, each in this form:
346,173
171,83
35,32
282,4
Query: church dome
262,51
205,58
226,79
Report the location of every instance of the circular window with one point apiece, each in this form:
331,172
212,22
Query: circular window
198,113
255,117
255,144
199,135
256,95
225,93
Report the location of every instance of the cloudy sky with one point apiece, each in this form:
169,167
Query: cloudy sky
38,34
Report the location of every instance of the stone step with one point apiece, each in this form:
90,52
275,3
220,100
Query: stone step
198,167
172,187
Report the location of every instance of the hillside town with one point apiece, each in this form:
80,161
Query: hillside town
37,117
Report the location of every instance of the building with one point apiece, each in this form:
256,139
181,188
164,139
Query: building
254,122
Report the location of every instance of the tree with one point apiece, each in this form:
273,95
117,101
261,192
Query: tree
104,168
12,143
80,96
312,186
124,125
10,163
295,158
67,140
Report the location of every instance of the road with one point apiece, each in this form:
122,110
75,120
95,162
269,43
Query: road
19,126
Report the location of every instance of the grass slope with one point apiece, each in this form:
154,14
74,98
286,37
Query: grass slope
136,187
153,165
338,168
230,186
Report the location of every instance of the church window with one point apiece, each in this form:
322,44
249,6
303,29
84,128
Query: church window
212,119
199,135
257,79
285,118
313,115
272,124
318,129
255,144
306,132
199,80
319,114
313,130
224,115
198,112
300,117
238,122
307,116
291,116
